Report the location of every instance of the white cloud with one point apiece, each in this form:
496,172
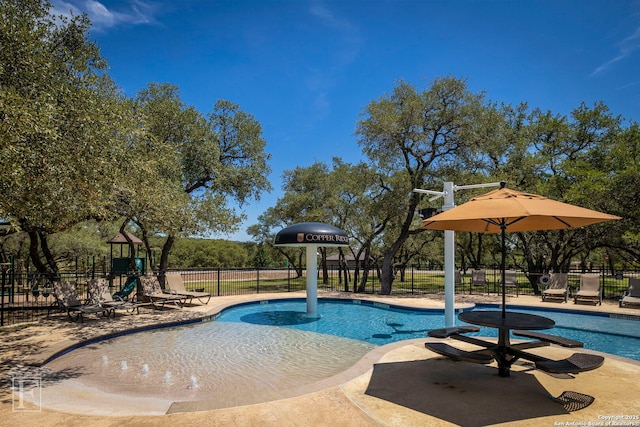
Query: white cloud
102,18
626,47
602,68
65,9
328,18
100,15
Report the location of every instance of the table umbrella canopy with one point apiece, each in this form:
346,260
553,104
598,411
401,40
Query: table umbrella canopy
515,211
505,210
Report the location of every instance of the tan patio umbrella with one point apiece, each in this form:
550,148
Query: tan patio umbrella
505,210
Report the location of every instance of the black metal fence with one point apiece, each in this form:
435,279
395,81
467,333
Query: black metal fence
26,297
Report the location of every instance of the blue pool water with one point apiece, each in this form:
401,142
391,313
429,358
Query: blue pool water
380,324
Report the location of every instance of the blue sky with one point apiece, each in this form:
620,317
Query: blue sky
307,69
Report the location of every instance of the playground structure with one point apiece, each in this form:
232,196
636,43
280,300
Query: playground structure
27,293
121,265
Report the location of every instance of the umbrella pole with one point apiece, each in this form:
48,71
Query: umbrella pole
502,269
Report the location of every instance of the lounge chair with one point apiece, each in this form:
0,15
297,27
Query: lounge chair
557,287
176,286
511,280
101,295
67,300
152,290
457,279
589,289
631,295
478,279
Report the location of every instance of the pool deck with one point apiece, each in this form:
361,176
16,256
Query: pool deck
401,384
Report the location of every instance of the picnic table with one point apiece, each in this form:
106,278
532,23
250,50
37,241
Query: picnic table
504,352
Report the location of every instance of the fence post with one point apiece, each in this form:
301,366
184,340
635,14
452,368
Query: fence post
4,277
412,281
12,279
218,281
257,280
602,277
288,278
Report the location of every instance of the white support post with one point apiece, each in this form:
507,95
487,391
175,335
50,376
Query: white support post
312,280
449,261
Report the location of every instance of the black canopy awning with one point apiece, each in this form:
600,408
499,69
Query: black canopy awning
314,233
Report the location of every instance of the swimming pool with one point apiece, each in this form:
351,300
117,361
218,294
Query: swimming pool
380,324
256,352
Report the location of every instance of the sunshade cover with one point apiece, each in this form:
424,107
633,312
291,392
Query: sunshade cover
305,233
514,210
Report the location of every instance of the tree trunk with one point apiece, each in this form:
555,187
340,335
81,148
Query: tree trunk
534,267
609,259
164,255
386,278
51,262
344,266
300,256
293,264
479,252
325,270
147,245
386,275
356,275
34,253
362,287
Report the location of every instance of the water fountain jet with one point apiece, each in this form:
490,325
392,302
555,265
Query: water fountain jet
193,382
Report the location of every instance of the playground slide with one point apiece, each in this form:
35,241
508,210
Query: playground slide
128,287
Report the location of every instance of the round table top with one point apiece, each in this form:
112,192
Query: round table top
512,320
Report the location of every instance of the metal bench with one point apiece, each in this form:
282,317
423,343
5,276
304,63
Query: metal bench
554,339
457,354
453,330
576,363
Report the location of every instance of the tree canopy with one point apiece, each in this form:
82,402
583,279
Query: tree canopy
75,148
60,123
418,139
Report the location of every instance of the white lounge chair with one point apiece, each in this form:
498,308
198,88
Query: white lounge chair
176,286
511,280
478,279
557,287
589,289
631,295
